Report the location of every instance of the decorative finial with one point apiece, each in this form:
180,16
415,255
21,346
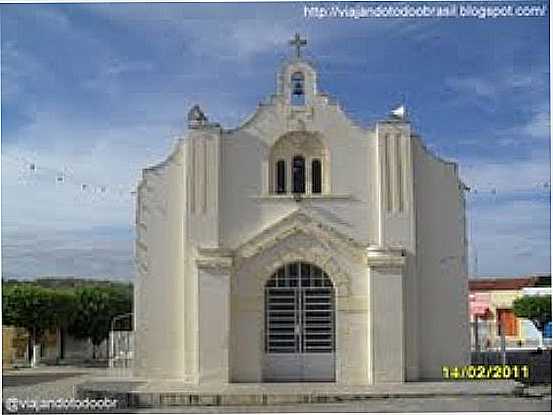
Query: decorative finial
400,113
298,43
196,117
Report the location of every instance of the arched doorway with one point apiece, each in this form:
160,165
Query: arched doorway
299,325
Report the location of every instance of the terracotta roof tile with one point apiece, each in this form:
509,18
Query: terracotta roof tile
483,284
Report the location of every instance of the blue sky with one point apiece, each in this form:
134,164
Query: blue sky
95,92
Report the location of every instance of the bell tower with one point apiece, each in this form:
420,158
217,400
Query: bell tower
297,80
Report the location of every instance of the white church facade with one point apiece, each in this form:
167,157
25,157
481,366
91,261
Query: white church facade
300,247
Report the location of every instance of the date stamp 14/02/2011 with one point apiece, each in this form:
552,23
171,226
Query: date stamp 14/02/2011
482,372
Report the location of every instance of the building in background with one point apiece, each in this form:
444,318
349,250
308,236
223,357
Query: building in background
56,347
491,305
15,341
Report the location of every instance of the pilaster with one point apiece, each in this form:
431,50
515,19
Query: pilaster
214,275
386,319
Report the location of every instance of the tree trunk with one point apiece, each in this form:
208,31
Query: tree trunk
93,351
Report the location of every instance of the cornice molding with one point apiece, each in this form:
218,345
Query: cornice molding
214,259
385,257
290,196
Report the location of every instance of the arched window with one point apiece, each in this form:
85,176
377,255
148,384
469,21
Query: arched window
298,174
298,162
316,176
297,89
281,176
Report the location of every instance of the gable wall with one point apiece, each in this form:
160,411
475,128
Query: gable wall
162,306
245,153
441,264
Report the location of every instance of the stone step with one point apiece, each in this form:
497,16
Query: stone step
149,394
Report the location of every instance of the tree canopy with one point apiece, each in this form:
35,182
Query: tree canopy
86,308
36,308
535,308
95,309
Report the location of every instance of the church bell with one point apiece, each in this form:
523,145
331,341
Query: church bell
298,88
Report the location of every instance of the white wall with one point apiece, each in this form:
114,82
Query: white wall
441,264
159,289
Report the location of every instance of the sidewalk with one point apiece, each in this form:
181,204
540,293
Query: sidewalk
144,394
51,382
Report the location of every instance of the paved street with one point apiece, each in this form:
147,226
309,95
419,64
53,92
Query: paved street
58,382
45,383
480,404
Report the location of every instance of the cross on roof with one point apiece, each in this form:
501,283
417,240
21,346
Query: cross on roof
298,42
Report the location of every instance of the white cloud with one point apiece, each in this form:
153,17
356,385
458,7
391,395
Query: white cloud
488,92
496,84
509,215
108,77
99,252
257,37
509,238
93,152
19,69
96,155
205,34
123,67
142,124
480,87
538,126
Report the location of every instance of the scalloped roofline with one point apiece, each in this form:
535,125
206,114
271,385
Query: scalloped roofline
436,157
164,163
433,153
161,165
250,118
270,100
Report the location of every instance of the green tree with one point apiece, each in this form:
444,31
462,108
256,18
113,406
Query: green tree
96,307
537,309
36,309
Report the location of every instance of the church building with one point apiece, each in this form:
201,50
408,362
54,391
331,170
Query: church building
300,247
